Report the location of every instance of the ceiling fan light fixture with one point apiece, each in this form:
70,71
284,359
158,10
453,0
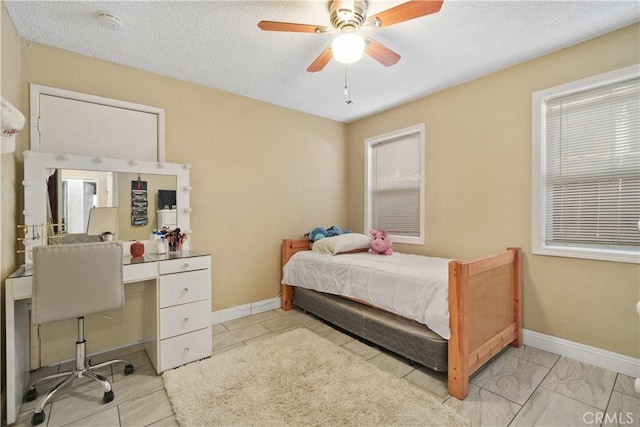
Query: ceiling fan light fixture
348,48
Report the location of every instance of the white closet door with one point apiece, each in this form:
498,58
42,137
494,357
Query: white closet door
94,126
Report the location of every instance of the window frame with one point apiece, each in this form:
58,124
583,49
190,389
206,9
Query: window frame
539,100
369,143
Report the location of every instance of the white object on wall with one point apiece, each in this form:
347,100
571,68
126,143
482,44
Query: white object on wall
12,124
71,122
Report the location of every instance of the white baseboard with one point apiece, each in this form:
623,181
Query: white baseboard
239,311
596,356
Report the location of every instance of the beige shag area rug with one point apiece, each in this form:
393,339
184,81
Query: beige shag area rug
298,379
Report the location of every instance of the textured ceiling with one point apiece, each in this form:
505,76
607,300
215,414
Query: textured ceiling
218,44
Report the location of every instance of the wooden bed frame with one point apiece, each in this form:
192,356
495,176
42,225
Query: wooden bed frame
484,310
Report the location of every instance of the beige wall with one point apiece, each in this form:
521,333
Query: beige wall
478,175
10,90
259,172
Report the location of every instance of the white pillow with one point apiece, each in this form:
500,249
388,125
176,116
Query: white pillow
348,242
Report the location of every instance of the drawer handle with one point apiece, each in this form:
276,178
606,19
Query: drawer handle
185,290
185,320
186,265
186,349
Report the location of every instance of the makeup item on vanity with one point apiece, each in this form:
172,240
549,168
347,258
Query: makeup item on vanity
137,249
175,238
161,245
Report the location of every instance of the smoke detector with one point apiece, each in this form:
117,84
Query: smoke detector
108,20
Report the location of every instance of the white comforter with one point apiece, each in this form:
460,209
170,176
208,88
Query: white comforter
412,286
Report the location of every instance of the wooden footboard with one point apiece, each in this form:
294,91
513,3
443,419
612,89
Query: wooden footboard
484,314
484,310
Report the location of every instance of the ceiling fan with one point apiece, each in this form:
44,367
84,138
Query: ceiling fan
347,17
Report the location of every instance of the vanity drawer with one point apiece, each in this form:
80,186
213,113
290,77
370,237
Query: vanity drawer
137,272
185,264
22,287
185,287
185,348
184,318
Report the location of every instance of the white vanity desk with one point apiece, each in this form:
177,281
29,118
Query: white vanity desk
177,285
177,319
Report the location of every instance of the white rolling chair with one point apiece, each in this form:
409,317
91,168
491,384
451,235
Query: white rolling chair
72,281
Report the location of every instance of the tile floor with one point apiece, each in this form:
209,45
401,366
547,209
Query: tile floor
520,387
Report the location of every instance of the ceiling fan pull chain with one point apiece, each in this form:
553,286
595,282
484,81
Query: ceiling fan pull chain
347,84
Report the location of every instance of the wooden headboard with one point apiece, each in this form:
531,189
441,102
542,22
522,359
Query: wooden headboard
289,248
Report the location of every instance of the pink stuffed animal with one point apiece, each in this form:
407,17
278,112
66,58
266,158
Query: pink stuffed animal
380,242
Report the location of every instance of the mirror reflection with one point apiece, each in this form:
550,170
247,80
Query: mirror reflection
145,202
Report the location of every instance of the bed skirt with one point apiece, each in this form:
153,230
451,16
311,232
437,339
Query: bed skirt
405,337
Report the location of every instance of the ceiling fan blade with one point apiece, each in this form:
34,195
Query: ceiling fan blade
291,27
405,12
321,61
380,53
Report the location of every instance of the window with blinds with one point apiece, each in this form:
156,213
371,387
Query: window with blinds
395,193
589,172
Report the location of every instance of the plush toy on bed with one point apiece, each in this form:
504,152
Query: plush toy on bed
334,230
380,242
321,232
316,234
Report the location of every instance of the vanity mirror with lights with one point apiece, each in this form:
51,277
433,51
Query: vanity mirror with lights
62,188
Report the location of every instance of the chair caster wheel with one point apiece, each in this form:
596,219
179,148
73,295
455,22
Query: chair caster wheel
38,418
128,370
108,397
31,395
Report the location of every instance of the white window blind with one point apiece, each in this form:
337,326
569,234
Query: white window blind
395,185
592,166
